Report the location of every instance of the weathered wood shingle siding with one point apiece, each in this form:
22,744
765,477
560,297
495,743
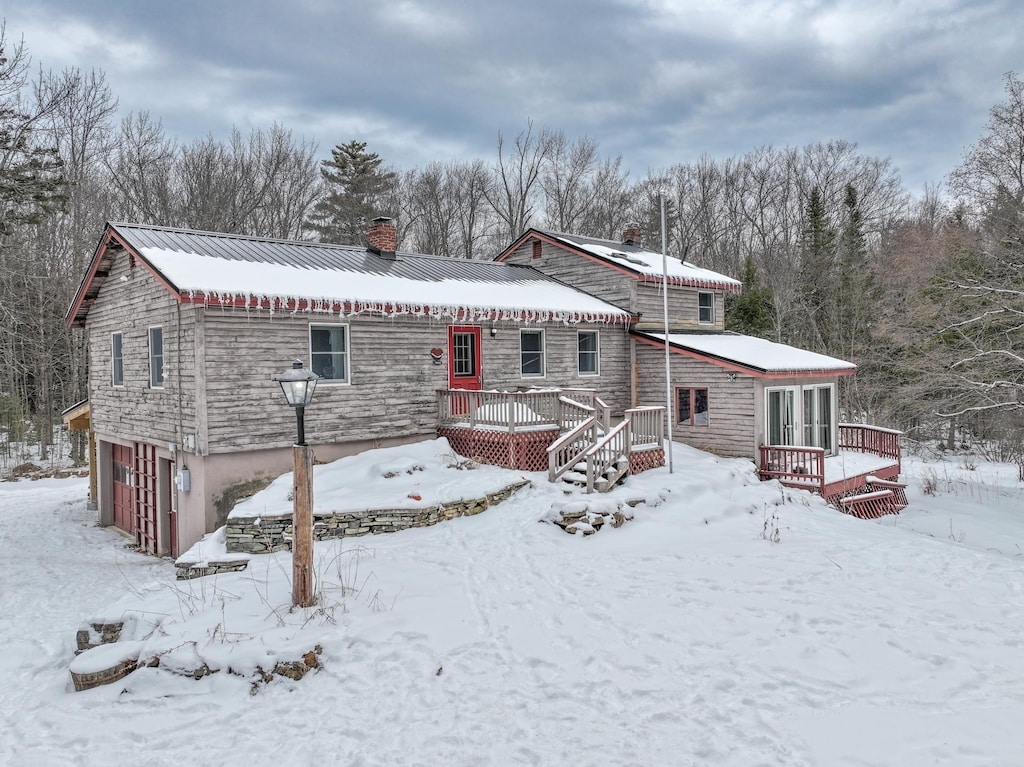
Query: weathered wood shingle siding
731,403
391,393
502,369
683,306
393,380
582,273
136,411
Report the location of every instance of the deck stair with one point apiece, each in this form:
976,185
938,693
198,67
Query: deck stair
871,505
594,457
899,490
570,430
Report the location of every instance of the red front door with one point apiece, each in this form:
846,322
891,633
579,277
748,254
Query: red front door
464,357
124,503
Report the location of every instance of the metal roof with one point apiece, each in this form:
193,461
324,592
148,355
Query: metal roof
317,255
194,265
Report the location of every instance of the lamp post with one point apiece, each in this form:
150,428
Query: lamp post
298,386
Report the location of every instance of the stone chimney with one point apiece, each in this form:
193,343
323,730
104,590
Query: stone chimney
381,236
631,234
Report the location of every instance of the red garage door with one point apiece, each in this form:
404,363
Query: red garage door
124,502
145,497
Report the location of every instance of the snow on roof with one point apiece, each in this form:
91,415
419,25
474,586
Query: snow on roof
756,353
529,297
650,264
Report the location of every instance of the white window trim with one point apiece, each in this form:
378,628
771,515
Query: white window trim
347,381
163,356
798,412
113,381
543,353
712,320
597,353
813,390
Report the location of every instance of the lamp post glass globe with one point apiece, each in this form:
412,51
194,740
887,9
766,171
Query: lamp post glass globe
298,385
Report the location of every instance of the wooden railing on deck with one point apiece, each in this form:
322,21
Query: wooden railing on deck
647,426
608,460
498,410
604,456
518,410
567,451
884,443
799,465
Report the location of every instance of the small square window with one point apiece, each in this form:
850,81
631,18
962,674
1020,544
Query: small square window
692,406
706,308
531,352
328,352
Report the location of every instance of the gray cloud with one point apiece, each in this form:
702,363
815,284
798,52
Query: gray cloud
657,81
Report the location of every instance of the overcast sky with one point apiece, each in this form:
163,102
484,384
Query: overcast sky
657,81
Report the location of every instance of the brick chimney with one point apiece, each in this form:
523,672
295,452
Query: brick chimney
631,234
381,236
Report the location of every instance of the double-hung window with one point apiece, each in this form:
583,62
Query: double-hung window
156,357
531,353
328,352
117,359
692,406
588,348
706,308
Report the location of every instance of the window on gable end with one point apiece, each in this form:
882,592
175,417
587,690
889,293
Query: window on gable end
706,308
117,359
156,357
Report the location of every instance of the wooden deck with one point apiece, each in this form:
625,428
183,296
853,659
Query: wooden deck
865,453
567,432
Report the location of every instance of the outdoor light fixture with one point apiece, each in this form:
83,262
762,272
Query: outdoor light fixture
494,331
298,386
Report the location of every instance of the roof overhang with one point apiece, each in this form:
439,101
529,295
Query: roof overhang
739,366
438,312
76,417
111,246
534,234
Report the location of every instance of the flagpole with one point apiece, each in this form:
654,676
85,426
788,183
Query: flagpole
664,297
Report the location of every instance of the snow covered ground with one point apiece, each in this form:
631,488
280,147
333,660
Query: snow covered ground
684,637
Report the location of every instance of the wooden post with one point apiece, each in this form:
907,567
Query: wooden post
302,528
94,497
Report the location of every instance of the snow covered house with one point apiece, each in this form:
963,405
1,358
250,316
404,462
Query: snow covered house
550,357
731,394
186,330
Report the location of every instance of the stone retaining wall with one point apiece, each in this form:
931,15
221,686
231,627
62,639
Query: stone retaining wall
186,571
264,534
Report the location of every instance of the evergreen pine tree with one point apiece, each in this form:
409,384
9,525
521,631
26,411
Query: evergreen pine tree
857,292
751,311
357,187
817,273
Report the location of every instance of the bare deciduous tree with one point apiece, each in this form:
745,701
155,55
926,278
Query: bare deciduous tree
514,192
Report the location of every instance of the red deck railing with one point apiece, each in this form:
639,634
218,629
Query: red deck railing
870,439
804,466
